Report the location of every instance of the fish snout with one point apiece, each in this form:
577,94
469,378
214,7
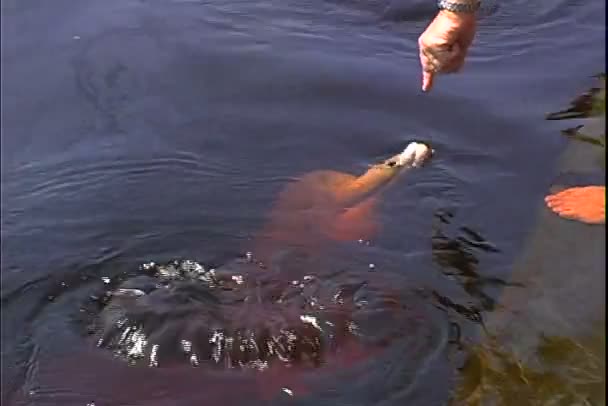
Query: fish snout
415,155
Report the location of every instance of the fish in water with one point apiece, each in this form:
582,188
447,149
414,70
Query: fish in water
268,308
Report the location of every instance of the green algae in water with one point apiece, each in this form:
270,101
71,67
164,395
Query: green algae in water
563,372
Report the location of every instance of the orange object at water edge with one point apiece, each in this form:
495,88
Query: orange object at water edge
586,204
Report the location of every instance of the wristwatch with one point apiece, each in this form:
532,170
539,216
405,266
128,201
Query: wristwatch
466,7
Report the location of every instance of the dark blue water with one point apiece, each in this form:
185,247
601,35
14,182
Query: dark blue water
137,131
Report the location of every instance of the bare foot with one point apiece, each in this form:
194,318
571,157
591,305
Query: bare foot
586,204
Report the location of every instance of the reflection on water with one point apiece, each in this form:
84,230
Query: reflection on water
457,259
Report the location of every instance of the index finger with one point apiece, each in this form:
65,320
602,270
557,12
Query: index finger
427,80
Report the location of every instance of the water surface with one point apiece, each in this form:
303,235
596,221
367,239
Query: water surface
136,131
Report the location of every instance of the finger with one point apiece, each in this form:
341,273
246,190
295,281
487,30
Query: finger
427,80
447,60
424,60
467,39
461,59
459,66
453,66
456,59
447,56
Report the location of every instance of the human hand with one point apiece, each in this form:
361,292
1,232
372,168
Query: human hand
444,44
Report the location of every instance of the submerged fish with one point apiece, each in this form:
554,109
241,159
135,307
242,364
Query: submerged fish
268,308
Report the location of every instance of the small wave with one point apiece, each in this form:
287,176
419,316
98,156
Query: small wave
240,316
241,324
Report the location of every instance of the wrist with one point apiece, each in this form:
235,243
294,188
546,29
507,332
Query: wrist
456,17
459,8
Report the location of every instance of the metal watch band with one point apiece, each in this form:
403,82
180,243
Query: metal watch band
468,7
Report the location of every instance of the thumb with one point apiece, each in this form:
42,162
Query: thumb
427,80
